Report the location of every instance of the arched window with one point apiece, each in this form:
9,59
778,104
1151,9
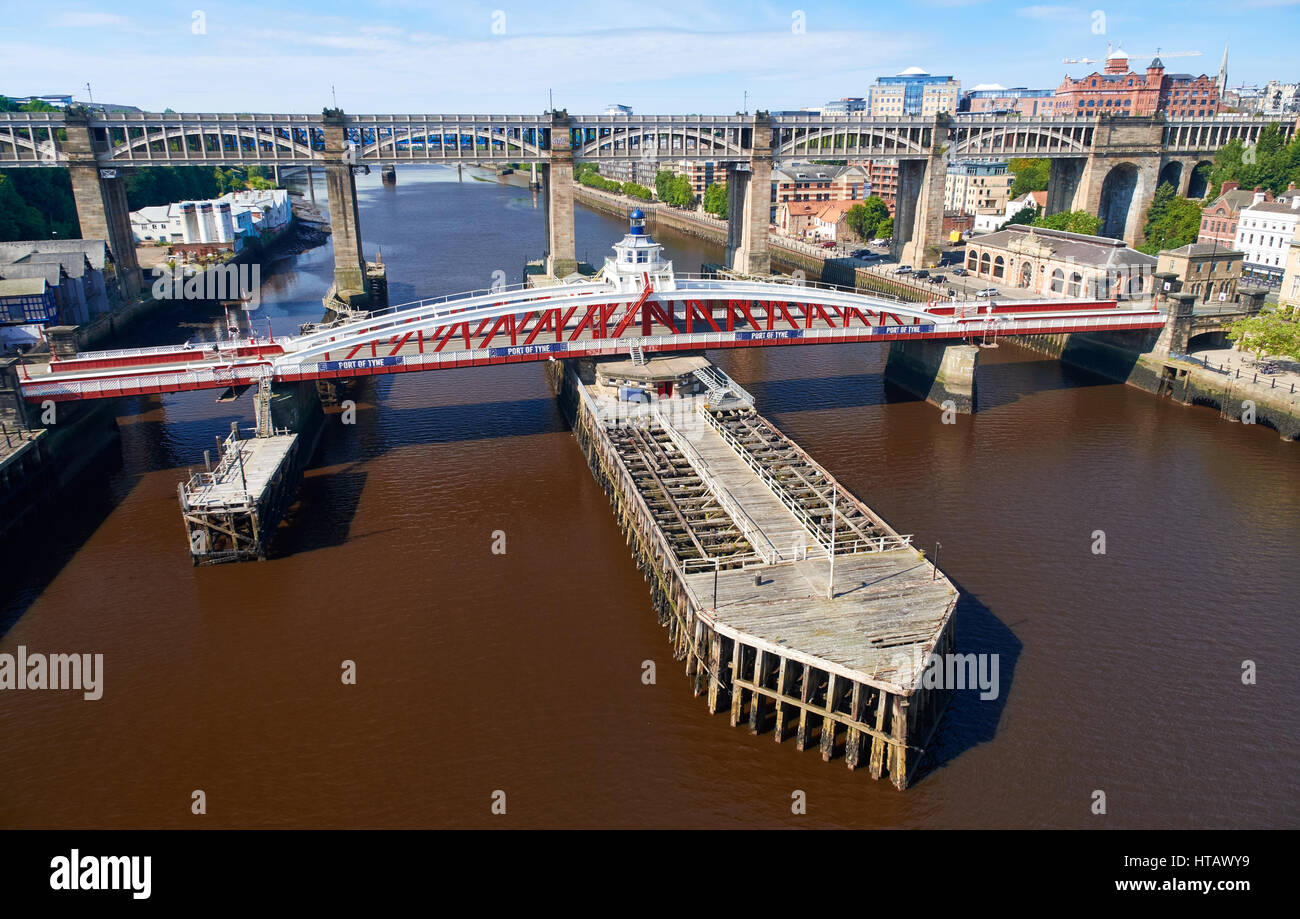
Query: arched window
984,263
972,260
999,267
1058,281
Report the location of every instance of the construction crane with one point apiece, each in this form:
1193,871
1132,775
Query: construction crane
1089,60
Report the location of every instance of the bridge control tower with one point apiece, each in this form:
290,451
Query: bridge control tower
637,257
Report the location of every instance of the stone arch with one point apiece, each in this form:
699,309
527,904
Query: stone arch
985,263
1171,172
1026,275
1199,183
1117,195
973,260
999,267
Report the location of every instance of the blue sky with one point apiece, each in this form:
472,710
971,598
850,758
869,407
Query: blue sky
659,56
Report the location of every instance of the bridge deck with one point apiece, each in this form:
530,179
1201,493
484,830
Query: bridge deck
247,467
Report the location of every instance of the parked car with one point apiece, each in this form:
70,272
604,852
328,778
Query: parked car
938,278
921,274
903,269
879,242
987,293
828,245
959,272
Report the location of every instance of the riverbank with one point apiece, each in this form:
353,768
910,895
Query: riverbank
1126,358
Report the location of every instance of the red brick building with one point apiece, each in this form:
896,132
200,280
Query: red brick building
1219,217
1121,91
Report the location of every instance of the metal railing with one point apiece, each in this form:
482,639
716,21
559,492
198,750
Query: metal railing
792,504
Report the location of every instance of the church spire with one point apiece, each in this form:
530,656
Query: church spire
1223,72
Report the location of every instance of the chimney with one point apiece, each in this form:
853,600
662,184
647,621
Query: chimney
1258,196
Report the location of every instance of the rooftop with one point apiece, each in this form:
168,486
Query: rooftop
1098,251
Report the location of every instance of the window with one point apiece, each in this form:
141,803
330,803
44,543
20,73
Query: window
1058,281
1076,280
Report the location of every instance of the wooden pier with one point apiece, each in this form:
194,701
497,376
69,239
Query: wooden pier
794,606
230,510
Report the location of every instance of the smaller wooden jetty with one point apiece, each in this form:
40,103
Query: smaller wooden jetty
795,607
231,509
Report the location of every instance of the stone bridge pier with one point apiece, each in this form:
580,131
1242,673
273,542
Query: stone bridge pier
749,205
557,200
100,197
345,221
918,217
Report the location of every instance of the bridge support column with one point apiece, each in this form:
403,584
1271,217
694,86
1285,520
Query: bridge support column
100,196
1063,180
1178,323
295,407
345,221
557,200
936,371
918,217
749,205
13,409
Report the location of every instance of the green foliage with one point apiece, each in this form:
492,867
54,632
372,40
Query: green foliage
885,229
1271,164
635,190
1171,221
673,189
37,204
864,219
1031,175
584,169
716,200
1025,216
1268,333
1071,222
593,179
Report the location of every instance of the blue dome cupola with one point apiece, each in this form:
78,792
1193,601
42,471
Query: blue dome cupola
637,222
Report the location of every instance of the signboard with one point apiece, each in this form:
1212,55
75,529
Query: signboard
364,363
517,350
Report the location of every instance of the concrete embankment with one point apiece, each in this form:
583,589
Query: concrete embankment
1125,357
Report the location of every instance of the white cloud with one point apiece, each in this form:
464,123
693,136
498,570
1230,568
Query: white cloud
79,20
1045,13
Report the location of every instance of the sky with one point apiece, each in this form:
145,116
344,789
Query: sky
659,56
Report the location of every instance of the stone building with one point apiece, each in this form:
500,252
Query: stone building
1209,271
1053,263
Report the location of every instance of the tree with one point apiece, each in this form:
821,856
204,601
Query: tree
716,200
1171,221
634,190
1267,333
1025,216
864,219
885,228
663,183
1031,175
1071,222
1271,163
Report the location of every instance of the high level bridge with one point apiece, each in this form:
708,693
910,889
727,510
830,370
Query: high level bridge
1109,166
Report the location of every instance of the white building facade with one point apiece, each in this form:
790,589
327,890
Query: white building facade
1264,233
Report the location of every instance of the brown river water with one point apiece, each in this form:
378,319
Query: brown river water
522,672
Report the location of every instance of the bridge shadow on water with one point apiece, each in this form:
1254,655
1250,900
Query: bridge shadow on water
998,383
971,720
